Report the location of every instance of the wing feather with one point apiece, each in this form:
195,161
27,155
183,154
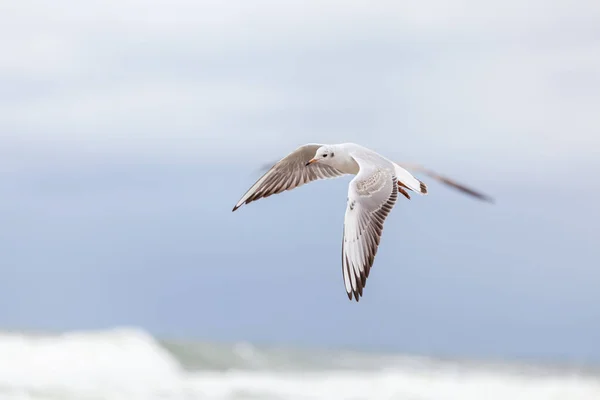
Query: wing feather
371,196
289,173
448,181
434,175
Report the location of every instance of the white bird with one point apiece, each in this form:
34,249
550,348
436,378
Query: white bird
372,194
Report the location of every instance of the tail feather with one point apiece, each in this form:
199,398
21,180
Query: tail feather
409,181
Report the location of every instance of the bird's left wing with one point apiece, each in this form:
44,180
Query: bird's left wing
289,173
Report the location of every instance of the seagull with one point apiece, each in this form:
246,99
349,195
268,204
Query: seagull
372,194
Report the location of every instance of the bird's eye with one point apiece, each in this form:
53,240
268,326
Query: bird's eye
324,155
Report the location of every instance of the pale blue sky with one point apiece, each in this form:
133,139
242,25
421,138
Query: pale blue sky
125,137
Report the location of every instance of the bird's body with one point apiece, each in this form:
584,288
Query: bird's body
372,194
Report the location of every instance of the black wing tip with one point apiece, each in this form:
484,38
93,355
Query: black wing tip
480,196
467,190
487,198
354,295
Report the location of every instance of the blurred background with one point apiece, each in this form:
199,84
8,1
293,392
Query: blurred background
129,129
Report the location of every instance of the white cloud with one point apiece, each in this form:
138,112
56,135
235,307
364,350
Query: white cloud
267,16
193,76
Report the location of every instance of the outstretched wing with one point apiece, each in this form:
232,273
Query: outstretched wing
447,181
371,196
434,175
289,173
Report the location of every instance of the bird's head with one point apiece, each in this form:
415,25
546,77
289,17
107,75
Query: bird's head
324,154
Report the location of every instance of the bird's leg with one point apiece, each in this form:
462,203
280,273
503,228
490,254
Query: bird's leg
401,187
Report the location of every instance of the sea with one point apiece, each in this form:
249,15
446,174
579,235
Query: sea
131,364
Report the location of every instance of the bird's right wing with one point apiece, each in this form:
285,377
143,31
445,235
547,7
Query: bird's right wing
447,181
371,196
289,173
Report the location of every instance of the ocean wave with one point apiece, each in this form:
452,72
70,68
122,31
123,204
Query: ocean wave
131,364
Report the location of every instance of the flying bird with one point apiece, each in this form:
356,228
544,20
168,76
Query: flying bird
372,194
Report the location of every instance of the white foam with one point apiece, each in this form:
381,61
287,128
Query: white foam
394,384
85,362
131,365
